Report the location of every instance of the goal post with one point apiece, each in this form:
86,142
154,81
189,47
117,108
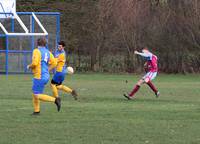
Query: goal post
18,36
26,32
19,32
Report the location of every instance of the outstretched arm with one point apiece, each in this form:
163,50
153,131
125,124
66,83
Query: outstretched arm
142,54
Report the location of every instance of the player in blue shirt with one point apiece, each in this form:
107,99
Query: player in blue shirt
61,71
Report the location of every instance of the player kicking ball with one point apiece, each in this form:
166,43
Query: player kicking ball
61,71
42,61
151,69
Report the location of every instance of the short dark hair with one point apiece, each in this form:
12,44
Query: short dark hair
61,43
41,41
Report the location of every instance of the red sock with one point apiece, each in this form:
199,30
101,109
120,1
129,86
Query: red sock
150,84
136,88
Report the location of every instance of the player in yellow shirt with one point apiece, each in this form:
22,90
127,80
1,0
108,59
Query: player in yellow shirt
42,62
61,71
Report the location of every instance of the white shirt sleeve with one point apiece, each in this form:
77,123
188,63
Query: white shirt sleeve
146,55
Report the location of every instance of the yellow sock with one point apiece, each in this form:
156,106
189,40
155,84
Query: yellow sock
64,88
54,90
46,98
36,103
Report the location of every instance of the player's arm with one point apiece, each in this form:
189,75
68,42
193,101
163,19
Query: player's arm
35,59
52,62
61,58
142,54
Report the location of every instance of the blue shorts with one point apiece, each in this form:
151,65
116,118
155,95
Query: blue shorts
58,78
38,85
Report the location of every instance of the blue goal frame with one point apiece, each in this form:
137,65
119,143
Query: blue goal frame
25,52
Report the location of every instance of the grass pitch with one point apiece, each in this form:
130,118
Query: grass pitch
102,115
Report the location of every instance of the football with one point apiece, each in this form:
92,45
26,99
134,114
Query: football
70,70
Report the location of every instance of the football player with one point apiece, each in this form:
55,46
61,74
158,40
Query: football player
61,71
42,62
151,68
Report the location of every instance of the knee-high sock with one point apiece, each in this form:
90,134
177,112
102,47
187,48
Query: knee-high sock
150,84
46,98
64,88
54,90
136,88
36,103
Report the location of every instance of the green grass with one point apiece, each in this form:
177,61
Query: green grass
102,115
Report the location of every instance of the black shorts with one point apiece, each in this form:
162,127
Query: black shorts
55,83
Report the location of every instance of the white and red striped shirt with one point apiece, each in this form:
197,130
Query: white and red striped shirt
152,61
152,64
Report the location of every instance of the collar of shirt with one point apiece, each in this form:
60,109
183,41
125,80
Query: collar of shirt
41,47
59,52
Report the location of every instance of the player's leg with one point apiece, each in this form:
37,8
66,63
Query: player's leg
47,98
58,79
54,83
36,105
135,90
148,81
38,88
54,90
35,99
68,90
64,88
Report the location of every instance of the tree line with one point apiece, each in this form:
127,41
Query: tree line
102,35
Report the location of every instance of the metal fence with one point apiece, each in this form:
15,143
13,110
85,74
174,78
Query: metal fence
15,50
